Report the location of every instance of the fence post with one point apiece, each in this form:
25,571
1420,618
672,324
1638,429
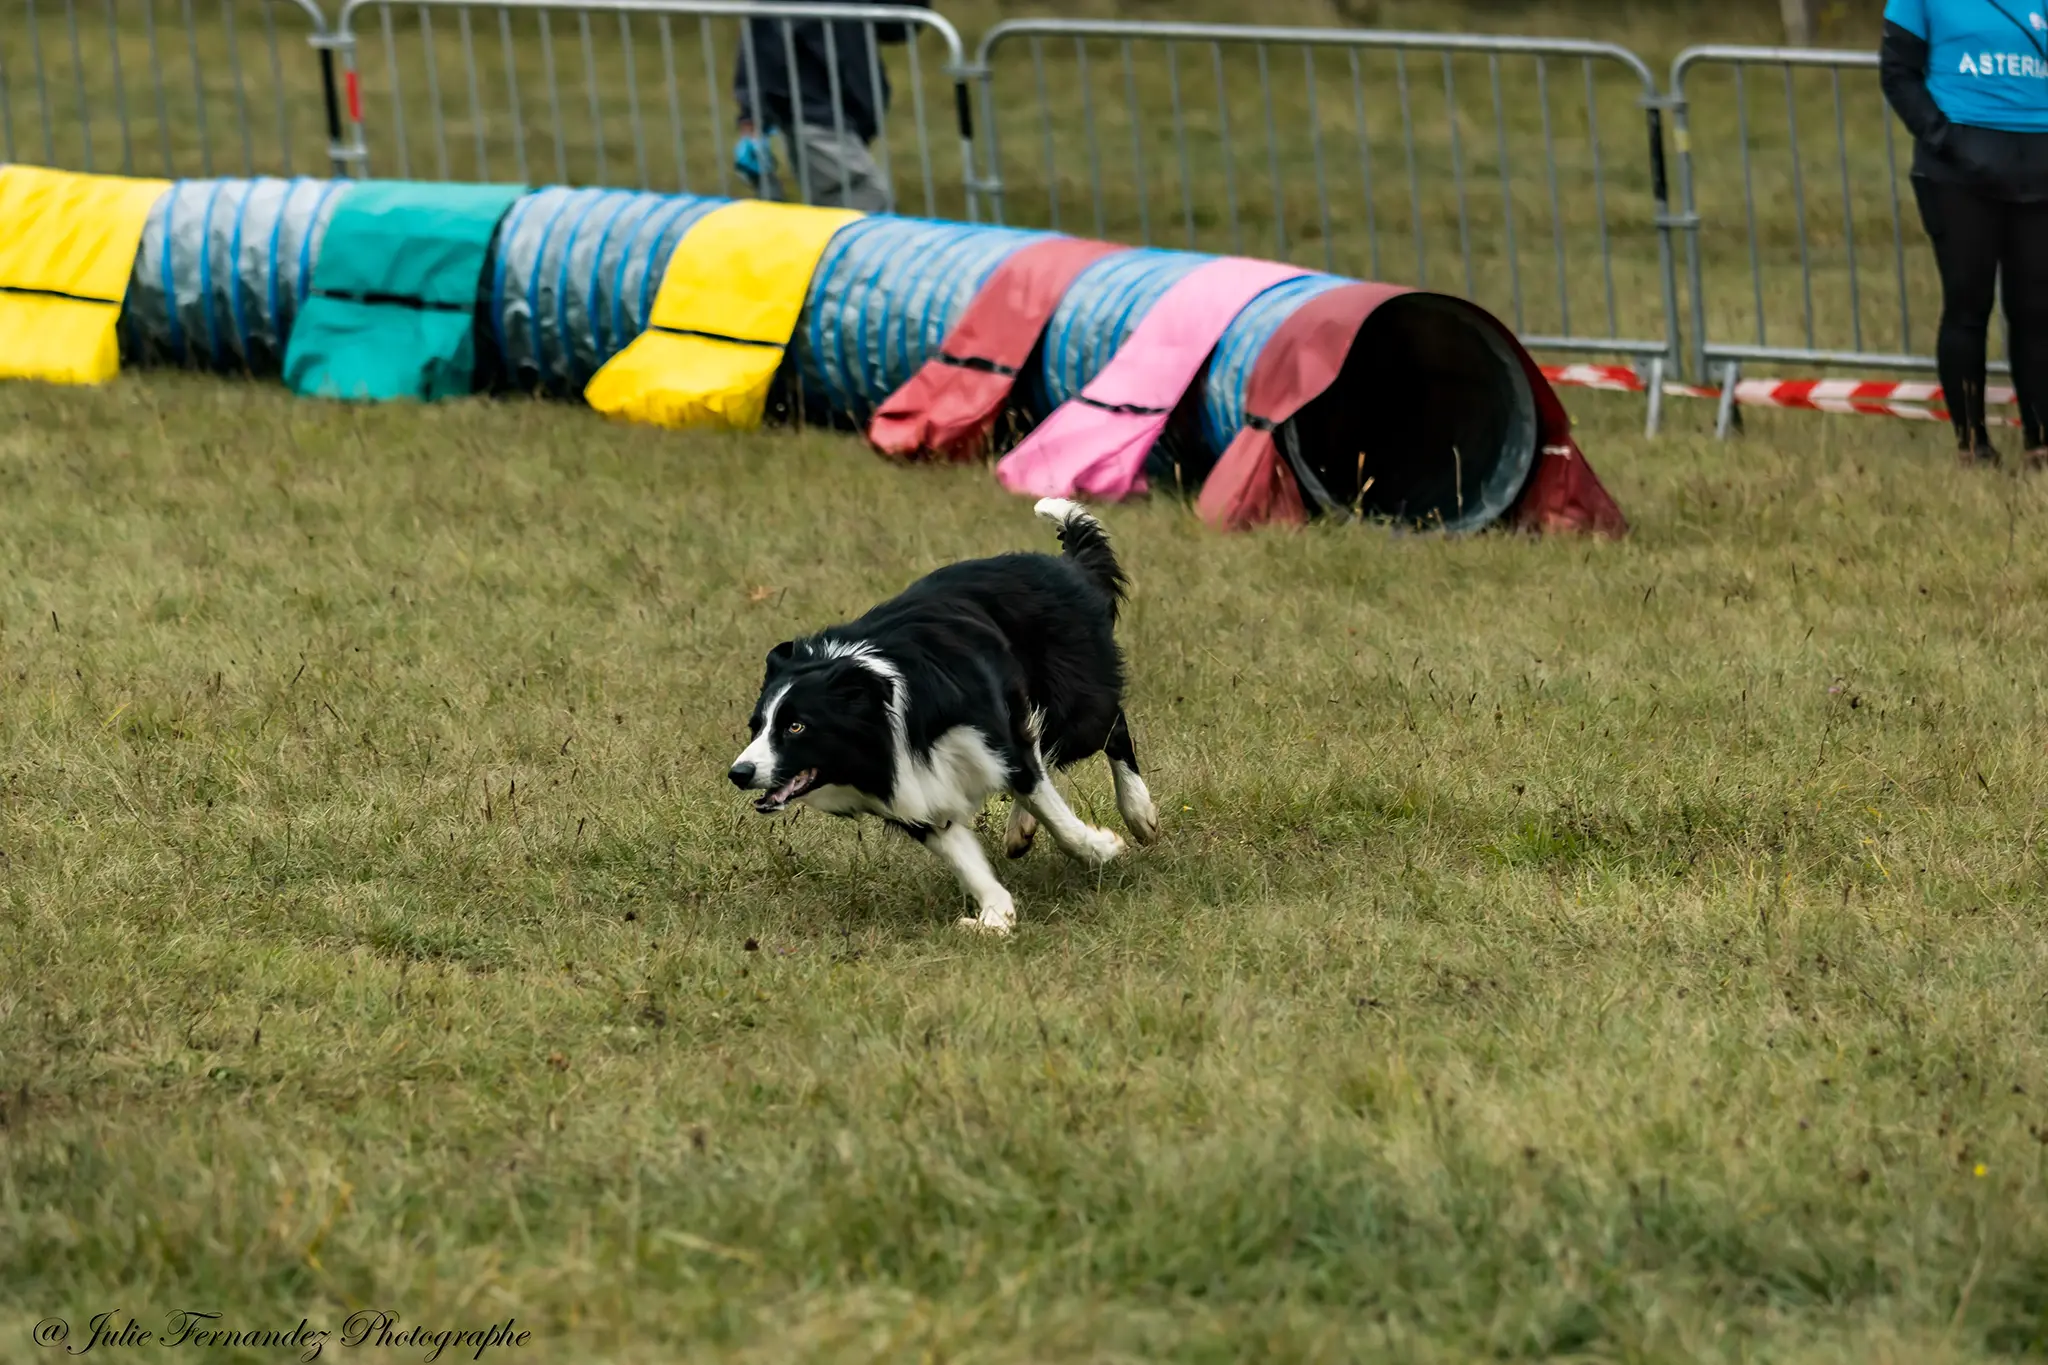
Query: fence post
1660,193
1689,219
344,100
985,74
963,117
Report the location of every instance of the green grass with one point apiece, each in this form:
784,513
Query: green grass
1557,949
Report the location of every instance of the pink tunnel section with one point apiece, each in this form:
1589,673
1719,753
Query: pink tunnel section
1095,445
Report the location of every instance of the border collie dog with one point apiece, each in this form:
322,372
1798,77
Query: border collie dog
979,678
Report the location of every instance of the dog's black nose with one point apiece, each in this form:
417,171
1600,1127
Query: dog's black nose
742,775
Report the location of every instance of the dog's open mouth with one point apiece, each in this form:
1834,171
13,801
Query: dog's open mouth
787,792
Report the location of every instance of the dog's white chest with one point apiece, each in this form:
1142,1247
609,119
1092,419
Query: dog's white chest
951,782
842,800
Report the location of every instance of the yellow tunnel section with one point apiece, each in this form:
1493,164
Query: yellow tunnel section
722,319
67,245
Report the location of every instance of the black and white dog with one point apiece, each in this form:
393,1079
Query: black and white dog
975,680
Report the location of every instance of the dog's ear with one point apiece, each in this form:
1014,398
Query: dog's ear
781,657
851,684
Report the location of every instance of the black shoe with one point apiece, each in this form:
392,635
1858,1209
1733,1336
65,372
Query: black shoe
1974,450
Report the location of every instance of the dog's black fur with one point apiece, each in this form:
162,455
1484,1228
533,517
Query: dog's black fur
970,681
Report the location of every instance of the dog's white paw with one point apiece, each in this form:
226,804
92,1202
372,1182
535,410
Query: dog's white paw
981,926
998,916
1099,846
1020,832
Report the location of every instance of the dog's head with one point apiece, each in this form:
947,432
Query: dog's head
822,720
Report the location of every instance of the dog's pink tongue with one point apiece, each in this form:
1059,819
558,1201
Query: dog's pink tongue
790,788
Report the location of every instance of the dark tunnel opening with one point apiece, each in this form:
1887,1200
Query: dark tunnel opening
1430,424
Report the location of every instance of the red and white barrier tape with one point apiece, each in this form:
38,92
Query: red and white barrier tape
1614,378
1903,398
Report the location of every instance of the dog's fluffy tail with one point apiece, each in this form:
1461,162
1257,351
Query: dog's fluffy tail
1083,540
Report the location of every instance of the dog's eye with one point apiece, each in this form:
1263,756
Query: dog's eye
796,727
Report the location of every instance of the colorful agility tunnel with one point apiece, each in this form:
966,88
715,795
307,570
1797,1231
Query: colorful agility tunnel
890,292
1331,397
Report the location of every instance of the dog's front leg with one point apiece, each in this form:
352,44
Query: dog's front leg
956,844
1079,839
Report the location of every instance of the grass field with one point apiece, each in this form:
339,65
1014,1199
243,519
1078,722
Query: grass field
1557,949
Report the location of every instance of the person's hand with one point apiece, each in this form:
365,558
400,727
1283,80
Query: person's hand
1960,153
753,156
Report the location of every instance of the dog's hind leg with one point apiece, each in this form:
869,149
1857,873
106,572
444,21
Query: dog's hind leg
1036,795
1133,797
956,845
1021,831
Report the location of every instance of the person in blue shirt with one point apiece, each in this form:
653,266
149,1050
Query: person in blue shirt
1969,79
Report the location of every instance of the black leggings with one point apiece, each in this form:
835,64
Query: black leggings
1975,240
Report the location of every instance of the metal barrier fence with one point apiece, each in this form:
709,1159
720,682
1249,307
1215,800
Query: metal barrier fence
169,87
593,92
1844,277
1505,167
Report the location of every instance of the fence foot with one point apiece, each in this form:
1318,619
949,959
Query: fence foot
1727,416
1653,420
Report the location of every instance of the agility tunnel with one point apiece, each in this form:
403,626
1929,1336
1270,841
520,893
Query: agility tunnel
1271,392
1419,373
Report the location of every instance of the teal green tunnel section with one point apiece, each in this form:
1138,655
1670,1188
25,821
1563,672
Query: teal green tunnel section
393,310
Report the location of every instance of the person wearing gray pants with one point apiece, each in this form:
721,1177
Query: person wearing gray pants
838,168
827,141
